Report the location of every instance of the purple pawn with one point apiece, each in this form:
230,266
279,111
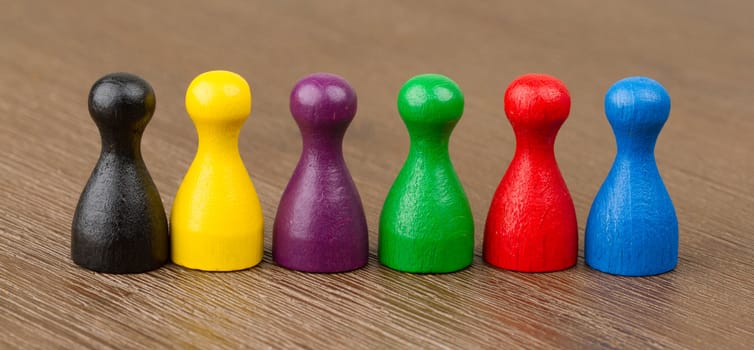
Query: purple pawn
320,224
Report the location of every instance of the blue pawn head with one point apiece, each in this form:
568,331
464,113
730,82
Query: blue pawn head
637,108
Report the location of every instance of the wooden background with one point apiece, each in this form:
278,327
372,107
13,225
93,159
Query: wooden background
702,51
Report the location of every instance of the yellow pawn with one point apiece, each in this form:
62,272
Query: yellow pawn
216,221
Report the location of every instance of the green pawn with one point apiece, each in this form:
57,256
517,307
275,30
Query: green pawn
426,224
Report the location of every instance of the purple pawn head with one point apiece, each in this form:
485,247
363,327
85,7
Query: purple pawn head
323,101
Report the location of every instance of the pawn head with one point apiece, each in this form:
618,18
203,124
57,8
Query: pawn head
121,101
430,99
637,104
218,97
537,101
323,100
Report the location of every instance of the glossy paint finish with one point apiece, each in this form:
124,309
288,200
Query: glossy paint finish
320,224
426,224
120,225
531,225
216,220
632,228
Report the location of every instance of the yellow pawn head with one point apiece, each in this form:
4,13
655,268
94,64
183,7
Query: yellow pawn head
218,96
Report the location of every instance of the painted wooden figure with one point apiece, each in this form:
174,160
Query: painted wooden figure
426,224
119,225
531,225
632,228
320,224
216,221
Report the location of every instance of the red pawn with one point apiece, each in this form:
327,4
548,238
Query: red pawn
531,226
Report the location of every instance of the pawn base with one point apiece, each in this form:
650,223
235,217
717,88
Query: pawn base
425,255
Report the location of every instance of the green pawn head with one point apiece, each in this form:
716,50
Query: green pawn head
430,101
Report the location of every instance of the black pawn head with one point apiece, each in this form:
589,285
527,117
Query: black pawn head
121,102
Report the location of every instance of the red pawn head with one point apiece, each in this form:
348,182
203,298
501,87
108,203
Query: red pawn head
538,103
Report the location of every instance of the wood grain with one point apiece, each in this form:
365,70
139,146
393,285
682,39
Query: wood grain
51,53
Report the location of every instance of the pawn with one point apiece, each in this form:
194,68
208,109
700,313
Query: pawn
531,225
426,224
632,229
216,220
320,224
119,225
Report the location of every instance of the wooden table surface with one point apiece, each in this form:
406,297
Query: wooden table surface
703,52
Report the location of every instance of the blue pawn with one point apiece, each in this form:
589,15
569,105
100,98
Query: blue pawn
632,229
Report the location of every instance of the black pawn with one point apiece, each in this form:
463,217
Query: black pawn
120,224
